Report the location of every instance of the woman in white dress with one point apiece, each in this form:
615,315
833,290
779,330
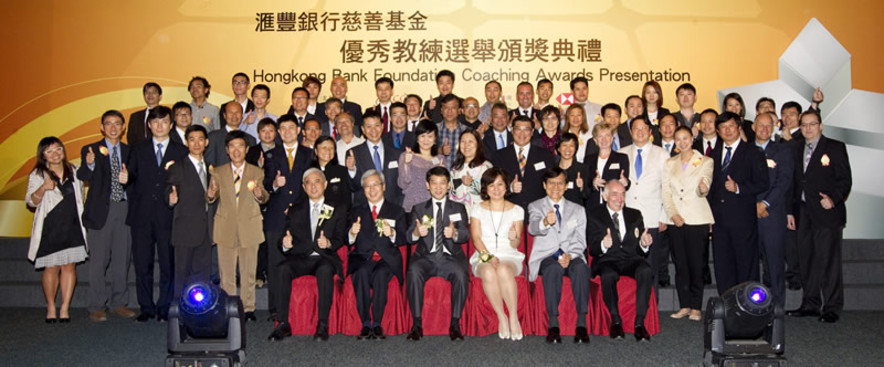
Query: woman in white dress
468,167
496,228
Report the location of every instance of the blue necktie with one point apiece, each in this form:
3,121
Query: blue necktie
500,143
615,144
159,154
638,164
727,160
398,140
377,160
558,216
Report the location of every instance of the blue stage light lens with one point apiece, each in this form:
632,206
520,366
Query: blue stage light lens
198,296
758,295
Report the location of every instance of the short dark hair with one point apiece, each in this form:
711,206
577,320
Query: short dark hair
641,118
420,101
335,100
788,105
398,105
494,82
233,135
204,81
642,99
115,113
551,110
383,80
444,72
709,110
180,105
768,99
261,87
242,75
423,127
810,112
311,80
499,106
611,106
552,172
525,84
523,119
725,117
686,86
266,121
197,128
371,114
301,89
544,81
287,118
438,171
149,85
578,79
159,112
490,176
450,97
566,137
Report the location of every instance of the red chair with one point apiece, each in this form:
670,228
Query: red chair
396,319
436,312
481,319
567,308
626,288
303,315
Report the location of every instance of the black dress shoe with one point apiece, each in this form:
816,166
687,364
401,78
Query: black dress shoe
144,316
416,333
581,336
282,331
553,336
664,283
272,317
454,333
364,334
802,312
616,331
378,333
162,317
250,316
52,320
641,334
321,334
67,320
829,317
794,286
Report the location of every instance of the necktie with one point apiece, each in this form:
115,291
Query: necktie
439,234
290,157
237,184
384,119
500,143
202,173
377,160
314,216
147,132
412,125
616,218
301,122
335,132
522,160
708,148
667,145
638,164
374,217
615,144
726,161
116,188
558,216
809,152
159,154
398,142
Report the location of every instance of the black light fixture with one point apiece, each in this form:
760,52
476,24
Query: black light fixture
744,327
206,328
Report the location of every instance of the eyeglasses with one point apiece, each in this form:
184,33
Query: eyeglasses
54,150
240,82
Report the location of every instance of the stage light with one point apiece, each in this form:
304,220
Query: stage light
206,328
744,327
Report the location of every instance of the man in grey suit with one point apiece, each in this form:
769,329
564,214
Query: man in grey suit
559,230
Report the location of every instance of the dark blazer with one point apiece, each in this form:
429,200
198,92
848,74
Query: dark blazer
175,137
781,174
830,176
490,142
597,224
698,144
137,130
453,245
611,171
408,140
572,192
461,119
288,195
254,153
625,135
748,168
538,161
591,148
147,184
99,179
192,222
216,152
368,240
335,228
337,190
364,163
535,113
436,114
354,109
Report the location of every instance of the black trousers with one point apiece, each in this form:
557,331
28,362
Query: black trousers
421,269
297,266
370,283
553,274
735,253
793,264
192,264
639,269
149,241
771,244
274,258
660,253
688,242
819,248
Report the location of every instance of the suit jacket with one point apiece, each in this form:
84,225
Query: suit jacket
368,240
240,220
490,142
592,148
611,171
147,185
537,162
698,144
99,179
192,221
254,153
216,152
451,210
304,244
574,193
599,221
748,168
645,193
781,168
364,163
137,130
354,109
827,172
681,192
624,134
173,135
436,114
535,113
569,236
337,190
287,196
408,139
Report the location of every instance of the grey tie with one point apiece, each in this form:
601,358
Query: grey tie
314,215
808,152
116,187
616,218
437,246
202,173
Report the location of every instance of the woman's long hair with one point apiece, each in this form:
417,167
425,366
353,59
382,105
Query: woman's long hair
43,168
478,160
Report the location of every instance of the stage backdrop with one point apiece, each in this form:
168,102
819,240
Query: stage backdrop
68,61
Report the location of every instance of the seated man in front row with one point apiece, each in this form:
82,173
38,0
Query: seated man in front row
438,251
619,244
558,251
312,252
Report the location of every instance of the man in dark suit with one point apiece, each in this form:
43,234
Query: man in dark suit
439,252
445,86
149,217
498,136
822,185
138,124
284,166
666,128
525,162
611,114
192,220
525,98
398,136
299,106
384,91
216,153
375,258
707,140
104,216
267,140
740,174
790,134
771,205
619,244
312,252
240,85
339,91
373,154
182,117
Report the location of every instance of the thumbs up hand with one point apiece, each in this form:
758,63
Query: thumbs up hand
322,242
356,227
623,180
432,103
514,232
646,239
279,181
579,181
826,201
516,185
123,177
90,157
703,187
608,241
550,219
420,230
213,188
409,155
446,148
287,240
387,230
173,196
597,181
449,231
467,179
731,185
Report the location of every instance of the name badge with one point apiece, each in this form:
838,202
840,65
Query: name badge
454,217
539,166
393,164
570,185
335,180
615,166
391,222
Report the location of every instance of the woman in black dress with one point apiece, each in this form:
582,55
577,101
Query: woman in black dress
58,238
576,174
337,191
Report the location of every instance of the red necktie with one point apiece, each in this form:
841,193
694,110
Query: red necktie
335,133
374,217
384,119
708,148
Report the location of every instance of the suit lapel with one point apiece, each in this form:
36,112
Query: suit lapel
816,156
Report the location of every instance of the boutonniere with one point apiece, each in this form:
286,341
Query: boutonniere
379,223
598,118
654,122
825,160
206,120
103,150
651,138
427,221
698,161
636,232
326,213
251,185
169,164
771,163
211,169
676,150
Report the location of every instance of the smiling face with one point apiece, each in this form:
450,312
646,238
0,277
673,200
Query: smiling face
53,154
667,127
414,106
384,92
267,134
233,114
544,92
240,85
450,110
312,131
332,110
555,187
314,185
525,95
197,90
288,132
634,107
468,146
112,128
522,132
686,98
445,85
763,127
197,143
299,101
325,151
236,150
496,190
729,131
499,119
641,132
615,195
373,189
651,95
575,119
733,105
398,118
471,108
183,118
567,149
426,140
492,92
707,124
260,98
580,92
550,123
684,140
339,87
152,96
811,127
438,187
372,128
604,139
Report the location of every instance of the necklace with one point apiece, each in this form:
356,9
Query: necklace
496,226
